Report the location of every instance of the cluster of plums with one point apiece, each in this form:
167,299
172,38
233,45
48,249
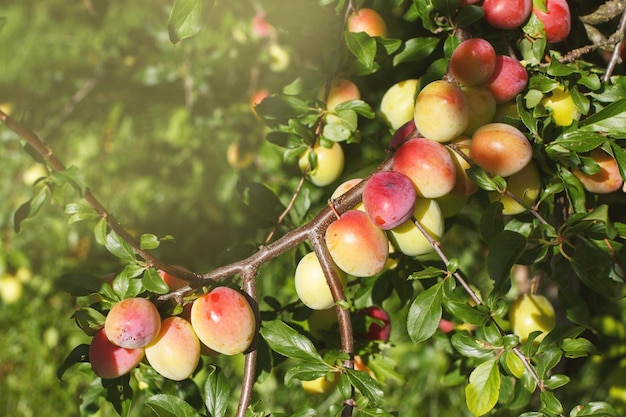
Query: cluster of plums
220,321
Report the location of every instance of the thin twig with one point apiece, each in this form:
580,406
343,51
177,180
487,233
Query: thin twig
615,56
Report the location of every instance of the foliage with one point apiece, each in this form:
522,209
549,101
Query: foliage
144,109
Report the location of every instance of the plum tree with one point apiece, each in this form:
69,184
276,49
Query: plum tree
133,323
504,114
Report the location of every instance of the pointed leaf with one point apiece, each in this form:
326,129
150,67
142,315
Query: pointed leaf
366,385
481,394
185,19
425,313
504,250
119,247
153,282
307,371
165,405
288,342
78,355
216,392
363,46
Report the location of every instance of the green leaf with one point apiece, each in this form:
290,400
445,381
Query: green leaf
578,348
89,320
288,342
216,392
504,250
469,15
165,405
610,118
557,381
363,46
100,231
481,394
515,364
79,354
425,313
119,247
594,409
468,345
80,285
416,49
80,211
366,385
31,207
427,273
126,287
550,403
153,282
72,176
579,141
492,221
307,371
358,106
185,19
149,241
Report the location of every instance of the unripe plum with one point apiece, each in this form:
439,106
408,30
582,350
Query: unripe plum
506,14
224,320
398,103
557,22
524,185
330,163
344,187
389,198
428,164
607,180
508,79
368,21
109,361
441,111
340,91
321,385
132,323
500,149
311,284
564,111
530,313
375,331
357,245
408,239
175,352
322,321
473,62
